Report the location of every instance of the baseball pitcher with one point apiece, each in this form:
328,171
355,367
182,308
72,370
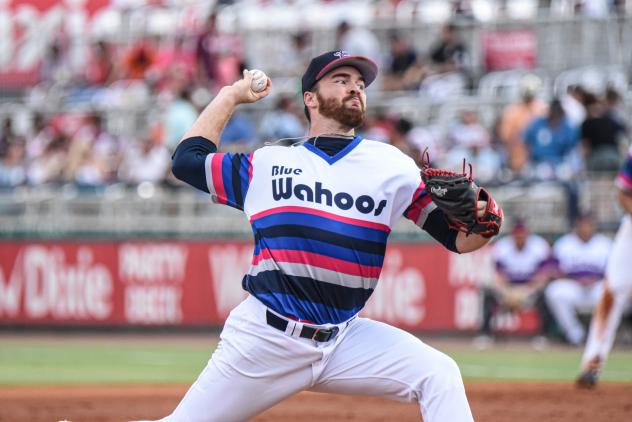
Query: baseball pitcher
617,288
321,212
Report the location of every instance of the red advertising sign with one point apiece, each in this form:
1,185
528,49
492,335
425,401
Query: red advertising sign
503,50
159,283
28,26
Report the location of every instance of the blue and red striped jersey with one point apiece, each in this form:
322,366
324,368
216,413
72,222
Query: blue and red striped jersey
320,222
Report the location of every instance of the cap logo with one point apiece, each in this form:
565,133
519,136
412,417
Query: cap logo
341,54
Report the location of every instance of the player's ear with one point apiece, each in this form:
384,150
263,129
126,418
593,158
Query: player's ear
310,99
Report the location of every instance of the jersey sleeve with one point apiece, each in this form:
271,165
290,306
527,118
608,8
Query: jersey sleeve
188,161
421,205
228,178
624,179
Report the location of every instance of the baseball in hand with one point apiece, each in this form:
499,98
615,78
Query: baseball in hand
259,80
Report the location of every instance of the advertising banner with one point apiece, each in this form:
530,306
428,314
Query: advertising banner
515,49
27,28
190,283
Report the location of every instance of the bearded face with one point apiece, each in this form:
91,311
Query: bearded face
348,112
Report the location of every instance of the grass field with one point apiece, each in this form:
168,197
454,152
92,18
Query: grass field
41,360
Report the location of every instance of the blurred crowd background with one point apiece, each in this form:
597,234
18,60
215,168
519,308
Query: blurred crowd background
96,94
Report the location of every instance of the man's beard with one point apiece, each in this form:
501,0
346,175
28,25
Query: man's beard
338,111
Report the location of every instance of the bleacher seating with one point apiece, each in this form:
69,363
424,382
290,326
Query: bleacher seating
128,105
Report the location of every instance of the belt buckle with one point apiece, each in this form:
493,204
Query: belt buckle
331,332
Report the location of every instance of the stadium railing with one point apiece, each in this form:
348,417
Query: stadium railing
149,210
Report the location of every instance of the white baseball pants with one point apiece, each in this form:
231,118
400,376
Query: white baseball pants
564,296
256,366
618,286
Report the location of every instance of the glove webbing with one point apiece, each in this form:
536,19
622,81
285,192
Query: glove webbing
426,170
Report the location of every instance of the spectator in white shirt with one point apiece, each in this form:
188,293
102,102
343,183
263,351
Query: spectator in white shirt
147,161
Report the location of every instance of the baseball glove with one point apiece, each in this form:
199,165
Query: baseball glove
515,298
467,207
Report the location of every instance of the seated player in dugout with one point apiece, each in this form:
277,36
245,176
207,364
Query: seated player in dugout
321,212
523,267
580,258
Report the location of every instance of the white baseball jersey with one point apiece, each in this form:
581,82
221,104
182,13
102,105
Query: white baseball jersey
582,260
320,231
520,265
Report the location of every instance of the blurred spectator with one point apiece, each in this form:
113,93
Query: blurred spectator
399,138
13,165
387,9
7,136
180,115
99,70
612,102
93,157
592,8
515,119
573,105
431,137
617,7
404,70
462,10
55,67
581,261
85,169
522,270
219,56
205,51
138,59
282,122
42,135
449,54
470,140
145,161
444,86
175,65
469,131
599,135
358,42
301,53
550,141
49,166
377,126
240,133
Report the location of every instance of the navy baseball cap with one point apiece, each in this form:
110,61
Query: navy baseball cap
325,63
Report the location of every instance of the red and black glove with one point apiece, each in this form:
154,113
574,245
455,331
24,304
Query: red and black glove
467,207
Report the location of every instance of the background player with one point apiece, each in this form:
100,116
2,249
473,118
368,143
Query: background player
617,288
581,258
321,212
521,274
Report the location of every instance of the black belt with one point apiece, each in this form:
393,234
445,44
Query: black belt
317,334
